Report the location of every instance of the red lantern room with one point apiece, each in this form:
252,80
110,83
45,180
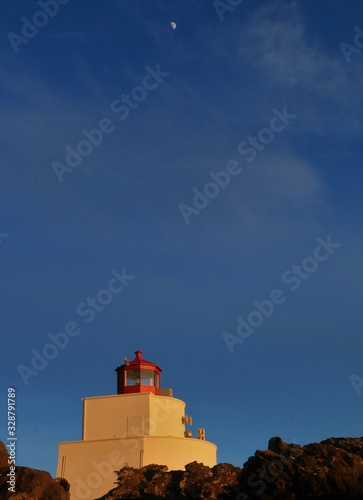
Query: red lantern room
138,375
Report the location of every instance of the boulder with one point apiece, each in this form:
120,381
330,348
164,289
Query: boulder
30,484
332,469
3,455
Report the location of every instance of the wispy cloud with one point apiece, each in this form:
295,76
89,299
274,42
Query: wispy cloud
285,54
270,51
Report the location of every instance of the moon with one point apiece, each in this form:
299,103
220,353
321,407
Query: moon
173,25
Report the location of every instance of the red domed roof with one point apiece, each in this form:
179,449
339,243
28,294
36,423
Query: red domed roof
140,361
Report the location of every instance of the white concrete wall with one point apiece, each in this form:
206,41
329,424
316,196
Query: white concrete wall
89,465
166,416
177,452
117,416
128,415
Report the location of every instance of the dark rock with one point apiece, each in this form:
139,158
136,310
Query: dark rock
30,483
332,469
276,444
197,481
3,455
223,484
131,479
154,469
352,445
193,479
162,484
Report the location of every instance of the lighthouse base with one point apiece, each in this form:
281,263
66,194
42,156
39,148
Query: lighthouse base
89,466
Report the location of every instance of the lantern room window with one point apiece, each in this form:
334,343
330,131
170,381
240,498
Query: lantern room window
147,377
133,377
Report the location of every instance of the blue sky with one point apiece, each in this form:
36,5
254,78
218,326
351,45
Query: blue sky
218,81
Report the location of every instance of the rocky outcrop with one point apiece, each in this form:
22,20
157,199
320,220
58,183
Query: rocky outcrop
332,469
30,484
196,482
3,455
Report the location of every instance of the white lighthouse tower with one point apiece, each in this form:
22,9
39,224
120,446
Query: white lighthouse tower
142,424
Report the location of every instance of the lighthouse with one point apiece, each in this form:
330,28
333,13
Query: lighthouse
140,425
